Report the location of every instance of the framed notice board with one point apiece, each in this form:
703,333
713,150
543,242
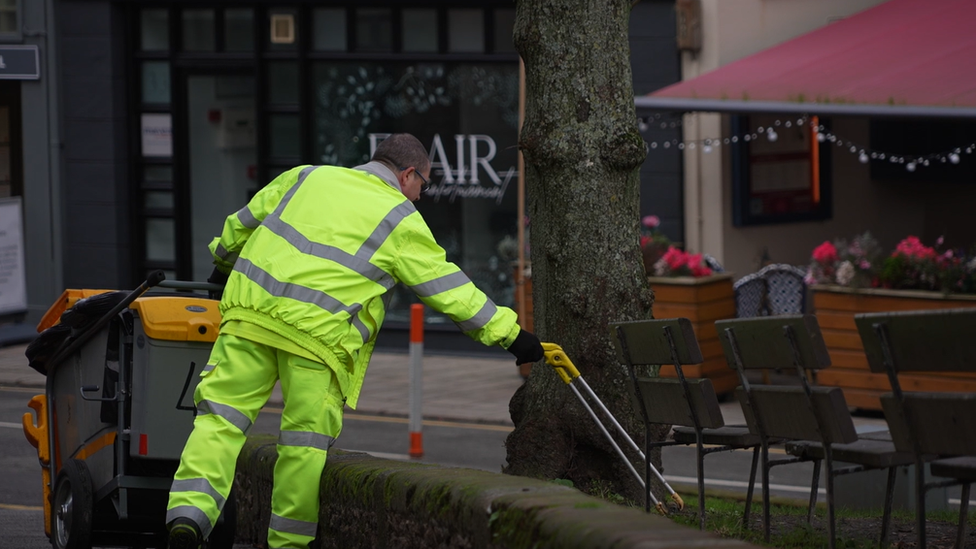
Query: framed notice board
779,176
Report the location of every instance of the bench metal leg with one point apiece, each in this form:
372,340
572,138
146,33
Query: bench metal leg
920,501
831,526
963,511
752,484
814,490
889,497
765,491
701,484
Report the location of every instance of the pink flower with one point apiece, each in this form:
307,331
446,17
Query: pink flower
912,248
644,240
651,221
825,254
864,264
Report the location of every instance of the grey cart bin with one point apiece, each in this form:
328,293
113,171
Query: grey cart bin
119,409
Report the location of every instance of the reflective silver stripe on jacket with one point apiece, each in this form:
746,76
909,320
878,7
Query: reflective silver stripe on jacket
292,526
441,284
208,368
199,485
291,192
222,253
194,514
331,253
247,219
234,417
301,293
385,229
308,439
480,319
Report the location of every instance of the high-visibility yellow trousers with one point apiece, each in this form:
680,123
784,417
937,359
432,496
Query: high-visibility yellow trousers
237,382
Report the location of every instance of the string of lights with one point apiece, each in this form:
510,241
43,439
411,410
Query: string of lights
823,135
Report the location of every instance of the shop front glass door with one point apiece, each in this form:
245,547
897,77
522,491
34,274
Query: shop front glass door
222,160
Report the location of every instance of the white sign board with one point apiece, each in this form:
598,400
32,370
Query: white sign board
13,287
157,135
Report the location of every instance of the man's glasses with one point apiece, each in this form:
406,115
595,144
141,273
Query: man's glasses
425,185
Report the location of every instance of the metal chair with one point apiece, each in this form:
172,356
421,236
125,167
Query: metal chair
815,419
928,424
689,404
776,289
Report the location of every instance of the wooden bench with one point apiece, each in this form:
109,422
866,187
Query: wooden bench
689,404
928,425
815,420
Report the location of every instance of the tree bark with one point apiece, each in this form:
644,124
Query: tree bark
582,152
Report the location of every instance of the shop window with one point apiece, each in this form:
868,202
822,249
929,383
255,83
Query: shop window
284,136
419,30
239,29
155,82
10,19
330,29
374,30
466,31
160,240
283,83
158,200
154,30
157,176
198,30
780,171
466,114
504,26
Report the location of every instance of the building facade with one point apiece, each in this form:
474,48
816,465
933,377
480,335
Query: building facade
167,116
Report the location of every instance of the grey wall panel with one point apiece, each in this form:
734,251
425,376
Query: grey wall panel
92,223
90,182
88,139
86,56
95,153
85,18
87,98
92,267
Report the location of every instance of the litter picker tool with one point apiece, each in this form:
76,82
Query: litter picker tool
560,362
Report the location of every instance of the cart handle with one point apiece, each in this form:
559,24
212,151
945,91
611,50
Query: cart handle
556,357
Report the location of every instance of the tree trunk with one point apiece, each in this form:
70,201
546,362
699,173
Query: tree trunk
582,151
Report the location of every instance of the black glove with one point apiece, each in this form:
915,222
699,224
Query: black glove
217,277
526,348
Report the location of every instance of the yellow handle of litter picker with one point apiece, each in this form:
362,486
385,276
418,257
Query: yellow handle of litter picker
556,357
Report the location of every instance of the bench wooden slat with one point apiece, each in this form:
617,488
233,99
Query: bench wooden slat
665,402
922,341
763,343
648,344
786,412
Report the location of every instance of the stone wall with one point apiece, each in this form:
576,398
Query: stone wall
371,502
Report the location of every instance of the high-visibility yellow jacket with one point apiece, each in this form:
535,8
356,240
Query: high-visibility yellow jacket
313,255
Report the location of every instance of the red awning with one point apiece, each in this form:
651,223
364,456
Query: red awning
901,58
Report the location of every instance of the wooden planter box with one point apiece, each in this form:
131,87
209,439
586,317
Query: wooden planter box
835,307
702,301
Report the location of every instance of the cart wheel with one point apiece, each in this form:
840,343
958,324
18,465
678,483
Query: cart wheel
222,536
72,505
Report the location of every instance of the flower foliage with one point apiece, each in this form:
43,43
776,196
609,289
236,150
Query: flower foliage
662,258
861,263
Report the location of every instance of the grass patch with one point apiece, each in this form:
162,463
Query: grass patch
856,529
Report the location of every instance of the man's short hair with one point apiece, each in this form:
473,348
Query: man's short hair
402,150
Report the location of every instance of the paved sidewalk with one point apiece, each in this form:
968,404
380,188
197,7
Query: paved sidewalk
459,388
474,389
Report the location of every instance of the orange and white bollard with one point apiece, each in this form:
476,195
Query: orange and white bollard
416,380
